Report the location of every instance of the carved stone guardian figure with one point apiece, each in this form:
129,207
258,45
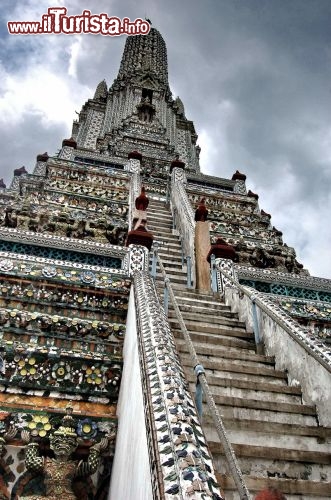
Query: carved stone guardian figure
59,472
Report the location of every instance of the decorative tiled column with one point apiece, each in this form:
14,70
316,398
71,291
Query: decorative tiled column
181,466
138,259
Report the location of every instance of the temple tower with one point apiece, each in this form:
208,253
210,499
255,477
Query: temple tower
98,386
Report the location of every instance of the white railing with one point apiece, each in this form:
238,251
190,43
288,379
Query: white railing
135,188
184,222
305,360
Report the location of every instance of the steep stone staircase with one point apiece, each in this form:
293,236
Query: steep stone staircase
275,435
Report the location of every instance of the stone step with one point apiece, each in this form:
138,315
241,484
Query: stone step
170,266
216,351
223,340
173,276
159,203
162,231
230,319
224,365
165,237
292,488
218,310
286,413
205,303
218,361
171,272
260,429
160,235
227,327
166,250
159,214
274,453
165,245
155,227
284,436
248,389
159,217
198,295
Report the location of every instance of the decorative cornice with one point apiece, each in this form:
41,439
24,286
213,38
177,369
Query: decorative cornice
13,264
269,276
48,240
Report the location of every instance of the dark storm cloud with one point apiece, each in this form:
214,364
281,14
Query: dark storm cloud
254,76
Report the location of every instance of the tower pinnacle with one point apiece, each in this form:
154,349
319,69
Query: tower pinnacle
145,53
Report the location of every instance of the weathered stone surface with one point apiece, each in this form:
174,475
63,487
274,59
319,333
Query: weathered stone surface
202,246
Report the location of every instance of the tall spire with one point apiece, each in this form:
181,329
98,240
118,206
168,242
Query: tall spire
145,53
101,90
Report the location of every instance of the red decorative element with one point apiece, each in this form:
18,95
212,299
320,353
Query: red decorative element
222,250
135,155
71,143
2,184
142,200
141,237
20,171
270,494
265,214
252,195
43,157
238,176
177,164
201,212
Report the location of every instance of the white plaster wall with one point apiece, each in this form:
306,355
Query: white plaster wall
131,479
302,368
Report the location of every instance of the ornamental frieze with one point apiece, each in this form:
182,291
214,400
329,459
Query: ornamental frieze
40,424
88,302
59,325
227,201
309,310
62,242
102,228
271,276
87,189
84,175
236,217
43,369
115,280
256,233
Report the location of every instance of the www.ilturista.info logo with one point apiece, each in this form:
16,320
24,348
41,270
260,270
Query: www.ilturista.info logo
57,22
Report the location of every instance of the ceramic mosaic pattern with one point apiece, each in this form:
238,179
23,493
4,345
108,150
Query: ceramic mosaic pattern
179,444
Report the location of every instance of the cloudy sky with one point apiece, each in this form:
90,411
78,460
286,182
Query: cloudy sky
254,76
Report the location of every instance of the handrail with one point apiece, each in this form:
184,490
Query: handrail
227,447
295,332
184,219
